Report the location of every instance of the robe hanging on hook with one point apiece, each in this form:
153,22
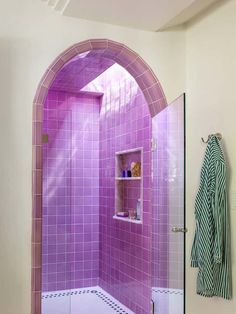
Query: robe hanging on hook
218,135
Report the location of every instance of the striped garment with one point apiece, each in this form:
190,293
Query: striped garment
211,246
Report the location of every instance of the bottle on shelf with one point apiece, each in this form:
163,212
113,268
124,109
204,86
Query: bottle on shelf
138,209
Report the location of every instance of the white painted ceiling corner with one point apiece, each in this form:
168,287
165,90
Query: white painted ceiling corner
57,5
150,15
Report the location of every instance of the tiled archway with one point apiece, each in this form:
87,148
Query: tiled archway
156,101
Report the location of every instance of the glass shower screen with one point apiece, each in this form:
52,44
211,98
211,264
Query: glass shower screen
168,209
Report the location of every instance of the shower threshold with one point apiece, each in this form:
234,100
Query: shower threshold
167,300
92,300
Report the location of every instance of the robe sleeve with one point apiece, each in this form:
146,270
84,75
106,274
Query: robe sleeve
219,203
194,252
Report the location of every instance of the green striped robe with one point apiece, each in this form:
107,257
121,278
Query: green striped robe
211,246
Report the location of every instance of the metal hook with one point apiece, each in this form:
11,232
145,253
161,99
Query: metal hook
206,140
218,135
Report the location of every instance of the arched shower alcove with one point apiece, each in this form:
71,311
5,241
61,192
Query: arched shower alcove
155,99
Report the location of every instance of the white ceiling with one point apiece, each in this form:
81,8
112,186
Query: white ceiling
151,15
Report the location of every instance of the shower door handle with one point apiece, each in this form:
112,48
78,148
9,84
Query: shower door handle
177,229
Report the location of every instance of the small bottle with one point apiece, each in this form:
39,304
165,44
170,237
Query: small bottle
138,209
129,173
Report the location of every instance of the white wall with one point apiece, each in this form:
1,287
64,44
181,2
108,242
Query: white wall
211,107
31,36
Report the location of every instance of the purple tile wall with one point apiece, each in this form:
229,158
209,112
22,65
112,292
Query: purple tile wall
125,248
82,242
80,71
168,197
70,191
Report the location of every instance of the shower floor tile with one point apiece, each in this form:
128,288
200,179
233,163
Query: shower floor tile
82,301
168,301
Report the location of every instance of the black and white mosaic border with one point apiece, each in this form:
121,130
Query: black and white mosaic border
116,308
50,295
167,291
110,303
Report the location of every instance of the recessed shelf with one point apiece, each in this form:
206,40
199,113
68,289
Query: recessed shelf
128,178
127,219
129,190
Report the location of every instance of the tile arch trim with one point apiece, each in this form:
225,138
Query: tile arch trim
156,100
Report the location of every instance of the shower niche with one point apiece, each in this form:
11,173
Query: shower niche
129,185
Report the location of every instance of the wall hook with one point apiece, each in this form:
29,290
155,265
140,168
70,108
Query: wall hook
218,135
